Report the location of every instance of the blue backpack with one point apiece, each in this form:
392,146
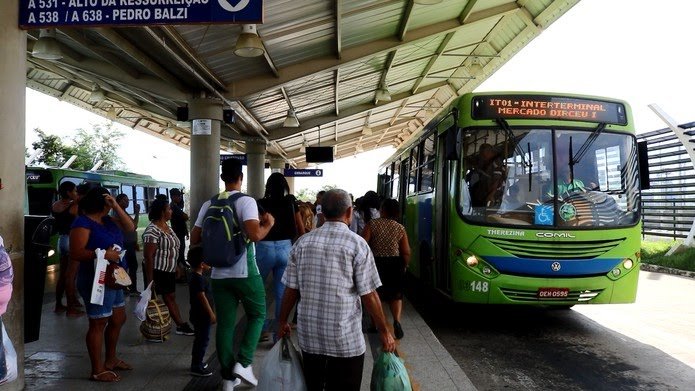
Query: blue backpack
224,241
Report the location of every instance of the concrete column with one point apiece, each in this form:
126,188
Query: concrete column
13,43
205,154
290,182
255,180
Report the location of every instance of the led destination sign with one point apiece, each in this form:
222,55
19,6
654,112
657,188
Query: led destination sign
548,107
58,13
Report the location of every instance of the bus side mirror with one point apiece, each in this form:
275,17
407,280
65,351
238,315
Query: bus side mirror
643,159
453,143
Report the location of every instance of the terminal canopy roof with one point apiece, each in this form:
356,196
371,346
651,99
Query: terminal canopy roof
324,59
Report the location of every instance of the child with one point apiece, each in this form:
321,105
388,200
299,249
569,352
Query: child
201,315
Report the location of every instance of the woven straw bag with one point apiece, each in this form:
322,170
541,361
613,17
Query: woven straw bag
157,324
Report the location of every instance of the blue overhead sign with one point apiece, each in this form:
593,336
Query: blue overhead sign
79,13
292,172
240,157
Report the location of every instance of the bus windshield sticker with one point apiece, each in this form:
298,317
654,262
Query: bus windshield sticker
548,107
568,212
543,215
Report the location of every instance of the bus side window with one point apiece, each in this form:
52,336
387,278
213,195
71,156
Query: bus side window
128,190
141,198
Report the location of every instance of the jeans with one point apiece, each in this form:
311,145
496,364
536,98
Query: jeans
273,256
201,325
228,292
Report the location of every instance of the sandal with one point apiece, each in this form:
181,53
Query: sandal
106,377
73,312
121,366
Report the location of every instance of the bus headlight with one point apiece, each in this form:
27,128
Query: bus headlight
627,264
472,261
487,271
51,252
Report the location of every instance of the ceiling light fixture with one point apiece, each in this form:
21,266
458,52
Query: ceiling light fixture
112,114
383,94
169,131
475,68
249,44
96,96
47,47
291,121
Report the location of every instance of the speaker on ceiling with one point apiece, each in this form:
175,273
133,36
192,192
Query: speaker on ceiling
228,116
182,113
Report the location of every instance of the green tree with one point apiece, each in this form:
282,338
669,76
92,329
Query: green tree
99,143
90,146
306,195
53,151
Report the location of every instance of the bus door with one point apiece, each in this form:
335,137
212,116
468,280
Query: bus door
441,217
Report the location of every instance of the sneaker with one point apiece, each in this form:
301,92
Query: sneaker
228,385
245,373
200,371
397,329
185,329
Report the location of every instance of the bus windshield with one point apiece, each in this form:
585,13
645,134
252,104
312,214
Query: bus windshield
549,178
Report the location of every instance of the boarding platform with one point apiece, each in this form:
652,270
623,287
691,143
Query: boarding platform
59,360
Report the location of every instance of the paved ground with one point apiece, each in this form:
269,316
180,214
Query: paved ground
649,345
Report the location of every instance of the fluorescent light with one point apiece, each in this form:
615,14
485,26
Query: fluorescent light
47,47
249,44
291,121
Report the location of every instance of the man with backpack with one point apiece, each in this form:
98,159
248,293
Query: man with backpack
227,227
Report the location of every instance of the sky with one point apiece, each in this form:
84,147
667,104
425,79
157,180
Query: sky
635,50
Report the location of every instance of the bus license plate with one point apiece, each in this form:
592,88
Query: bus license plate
553,293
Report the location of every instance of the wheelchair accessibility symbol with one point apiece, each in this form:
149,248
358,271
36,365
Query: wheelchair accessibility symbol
543,215
227,6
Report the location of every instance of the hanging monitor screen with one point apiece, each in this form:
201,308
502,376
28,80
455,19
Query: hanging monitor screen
319,154
548,107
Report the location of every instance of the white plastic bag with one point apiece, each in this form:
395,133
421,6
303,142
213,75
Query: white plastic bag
98,285
282,369
141,307
10,358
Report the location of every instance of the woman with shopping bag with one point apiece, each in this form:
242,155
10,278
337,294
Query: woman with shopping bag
95,229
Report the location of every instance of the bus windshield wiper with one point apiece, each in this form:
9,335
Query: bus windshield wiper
510,135
574,159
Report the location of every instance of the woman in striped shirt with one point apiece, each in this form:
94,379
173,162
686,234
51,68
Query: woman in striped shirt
161,252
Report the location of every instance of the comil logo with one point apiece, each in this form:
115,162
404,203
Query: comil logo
554,235
227,6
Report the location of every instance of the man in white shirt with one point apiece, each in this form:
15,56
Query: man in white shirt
334,270
239,283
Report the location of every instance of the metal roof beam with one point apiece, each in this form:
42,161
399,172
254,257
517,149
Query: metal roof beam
181,43
138,55
467,11
91,46
433,59
337,91
338,32
355,136
385,72
253,85
307,124
406,19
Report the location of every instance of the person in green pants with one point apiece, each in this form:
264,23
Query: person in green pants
240,283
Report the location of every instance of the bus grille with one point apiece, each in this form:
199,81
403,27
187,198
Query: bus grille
555,250
532,296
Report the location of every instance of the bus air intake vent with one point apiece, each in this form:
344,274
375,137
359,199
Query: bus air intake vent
559,250
527,296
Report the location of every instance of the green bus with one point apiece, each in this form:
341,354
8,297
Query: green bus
523,198
42,190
